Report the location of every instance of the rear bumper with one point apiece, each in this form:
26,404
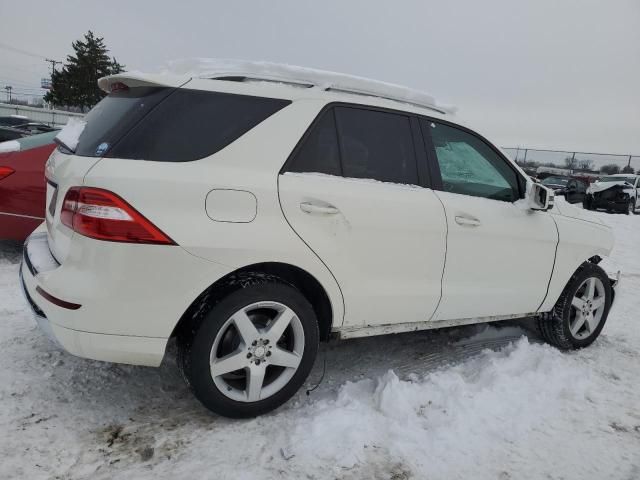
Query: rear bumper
111,348
114,318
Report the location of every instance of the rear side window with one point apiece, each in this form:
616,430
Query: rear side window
174,125
376,145
359,143
319,151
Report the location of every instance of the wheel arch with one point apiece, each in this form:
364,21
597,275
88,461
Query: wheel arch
308,285
559,280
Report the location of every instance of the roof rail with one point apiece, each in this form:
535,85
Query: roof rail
238,70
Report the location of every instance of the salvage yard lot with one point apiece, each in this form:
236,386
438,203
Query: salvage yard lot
475,402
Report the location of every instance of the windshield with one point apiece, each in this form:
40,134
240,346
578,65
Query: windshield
555,181
618,179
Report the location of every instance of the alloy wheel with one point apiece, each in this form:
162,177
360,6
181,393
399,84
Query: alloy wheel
257,351
587,308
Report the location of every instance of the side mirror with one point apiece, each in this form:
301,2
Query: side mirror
539,197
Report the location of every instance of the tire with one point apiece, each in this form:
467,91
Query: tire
587,204
631,208
217,341
556,326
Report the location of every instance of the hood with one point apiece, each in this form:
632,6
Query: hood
562,207
601,186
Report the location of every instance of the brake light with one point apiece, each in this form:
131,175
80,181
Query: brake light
118,87
5,172
103,215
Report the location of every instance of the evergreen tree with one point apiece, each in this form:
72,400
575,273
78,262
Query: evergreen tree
76,85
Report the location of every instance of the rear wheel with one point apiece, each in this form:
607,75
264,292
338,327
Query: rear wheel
581,311
252,351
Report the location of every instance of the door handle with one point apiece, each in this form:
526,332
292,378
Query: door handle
312,208
467,221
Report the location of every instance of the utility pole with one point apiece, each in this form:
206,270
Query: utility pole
53,65
8,88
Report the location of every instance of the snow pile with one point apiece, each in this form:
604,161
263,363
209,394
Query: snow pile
466,403
213,68
9,146
70,133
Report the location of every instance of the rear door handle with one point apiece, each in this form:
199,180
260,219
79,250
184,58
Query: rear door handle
467,221
312,208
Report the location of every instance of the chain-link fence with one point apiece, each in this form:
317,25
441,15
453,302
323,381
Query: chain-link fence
586,161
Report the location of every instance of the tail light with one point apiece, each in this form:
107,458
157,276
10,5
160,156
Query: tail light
103,215
5,172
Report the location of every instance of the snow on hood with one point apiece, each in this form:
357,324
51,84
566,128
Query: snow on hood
9,146
601,186
562,207
71,132
212,67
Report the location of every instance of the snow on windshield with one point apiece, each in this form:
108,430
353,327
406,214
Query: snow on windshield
618,179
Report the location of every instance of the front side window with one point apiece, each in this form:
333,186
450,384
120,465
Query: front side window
470,167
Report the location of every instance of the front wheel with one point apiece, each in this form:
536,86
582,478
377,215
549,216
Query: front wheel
252,351
581,311
631,208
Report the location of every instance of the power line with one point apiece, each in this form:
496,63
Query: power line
21,51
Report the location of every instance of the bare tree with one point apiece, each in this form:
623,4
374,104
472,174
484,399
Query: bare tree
570,162
610,169
585,164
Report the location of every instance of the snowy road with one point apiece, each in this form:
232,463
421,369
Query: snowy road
471,402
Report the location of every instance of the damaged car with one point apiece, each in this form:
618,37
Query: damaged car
617,193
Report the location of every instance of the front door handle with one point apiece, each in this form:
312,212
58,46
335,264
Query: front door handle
312,208
467,221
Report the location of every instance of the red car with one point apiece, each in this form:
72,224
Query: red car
22,184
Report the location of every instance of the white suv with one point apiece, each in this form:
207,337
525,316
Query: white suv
252,213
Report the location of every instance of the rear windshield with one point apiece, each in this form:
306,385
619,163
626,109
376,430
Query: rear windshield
38,140
555,181
170,125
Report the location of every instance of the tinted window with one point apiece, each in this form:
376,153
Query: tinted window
114,115
319,150
470,167
376,145
170,125
9,134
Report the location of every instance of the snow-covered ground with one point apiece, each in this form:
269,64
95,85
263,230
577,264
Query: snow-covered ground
473,402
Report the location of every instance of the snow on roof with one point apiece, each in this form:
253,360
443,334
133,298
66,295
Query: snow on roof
302,76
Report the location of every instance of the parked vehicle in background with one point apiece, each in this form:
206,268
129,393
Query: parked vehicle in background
250,214
12,120
22,184
617,193
10,133
572,189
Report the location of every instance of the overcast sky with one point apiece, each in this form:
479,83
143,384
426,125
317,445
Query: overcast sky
545,73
